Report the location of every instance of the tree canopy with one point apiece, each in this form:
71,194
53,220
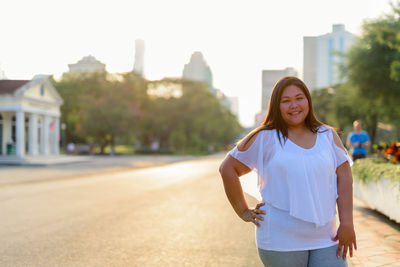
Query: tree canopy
183,116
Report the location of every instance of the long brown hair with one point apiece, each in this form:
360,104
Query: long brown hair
274,120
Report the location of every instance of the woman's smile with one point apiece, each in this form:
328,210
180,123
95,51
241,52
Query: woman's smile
294,113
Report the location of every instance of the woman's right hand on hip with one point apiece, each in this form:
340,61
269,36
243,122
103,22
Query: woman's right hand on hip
253,215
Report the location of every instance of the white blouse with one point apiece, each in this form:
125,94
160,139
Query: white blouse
298,182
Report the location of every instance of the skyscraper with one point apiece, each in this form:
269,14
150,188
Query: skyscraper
322,56
138,66
198,70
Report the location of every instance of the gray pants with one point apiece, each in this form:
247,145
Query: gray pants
323,257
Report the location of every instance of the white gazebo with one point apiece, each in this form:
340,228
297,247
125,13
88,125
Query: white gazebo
29,117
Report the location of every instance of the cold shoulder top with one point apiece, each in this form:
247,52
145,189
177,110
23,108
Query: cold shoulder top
298,185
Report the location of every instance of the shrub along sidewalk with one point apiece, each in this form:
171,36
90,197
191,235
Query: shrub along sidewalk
377,183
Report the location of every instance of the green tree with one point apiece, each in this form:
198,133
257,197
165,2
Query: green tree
373,70
99,108
323,105
187,118
184,116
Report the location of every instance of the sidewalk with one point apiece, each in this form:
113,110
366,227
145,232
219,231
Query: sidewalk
42,160
80,166
378,238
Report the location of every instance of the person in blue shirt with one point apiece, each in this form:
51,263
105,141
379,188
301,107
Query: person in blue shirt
358,140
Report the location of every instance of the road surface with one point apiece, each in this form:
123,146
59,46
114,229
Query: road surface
173,215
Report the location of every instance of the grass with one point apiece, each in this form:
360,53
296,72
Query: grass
118,150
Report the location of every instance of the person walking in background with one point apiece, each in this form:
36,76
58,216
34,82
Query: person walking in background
71,148
358,140
303,173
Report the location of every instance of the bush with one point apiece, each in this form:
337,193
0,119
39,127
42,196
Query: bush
369,170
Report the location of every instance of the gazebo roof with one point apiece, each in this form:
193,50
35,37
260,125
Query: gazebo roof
10,86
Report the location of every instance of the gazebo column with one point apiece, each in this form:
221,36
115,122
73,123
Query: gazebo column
20,132
33,134
4,135
45,135
56,144
7,129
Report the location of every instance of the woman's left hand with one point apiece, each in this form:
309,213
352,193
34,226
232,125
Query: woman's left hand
347,240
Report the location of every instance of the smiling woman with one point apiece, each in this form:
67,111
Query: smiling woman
303,173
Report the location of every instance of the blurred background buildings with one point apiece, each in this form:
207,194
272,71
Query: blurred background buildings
87,64
322,59
198,70
323,55
138,66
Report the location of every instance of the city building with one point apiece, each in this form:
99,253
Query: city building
198,70
269,79
29,117
138,66
322,57
87,64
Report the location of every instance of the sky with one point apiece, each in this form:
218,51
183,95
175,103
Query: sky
238,39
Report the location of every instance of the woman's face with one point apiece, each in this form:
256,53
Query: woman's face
294,106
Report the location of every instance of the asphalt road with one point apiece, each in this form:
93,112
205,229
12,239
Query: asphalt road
173,215
90,165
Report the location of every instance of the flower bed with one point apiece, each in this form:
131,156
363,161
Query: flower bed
378,185
392,152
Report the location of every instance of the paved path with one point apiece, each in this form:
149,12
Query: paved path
378,238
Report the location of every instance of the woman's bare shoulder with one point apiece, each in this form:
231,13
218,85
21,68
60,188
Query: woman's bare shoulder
336,139
246,142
